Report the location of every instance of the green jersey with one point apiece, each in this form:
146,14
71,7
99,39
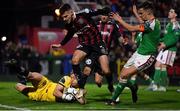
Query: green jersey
171,36
149,38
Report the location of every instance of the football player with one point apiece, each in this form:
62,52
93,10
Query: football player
143,57
42,88
167,52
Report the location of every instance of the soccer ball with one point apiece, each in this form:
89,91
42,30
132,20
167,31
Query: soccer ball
68,97
72,91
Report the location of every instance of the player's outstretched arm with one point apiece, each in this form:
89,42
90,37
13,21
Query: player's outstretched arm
88,12
129,27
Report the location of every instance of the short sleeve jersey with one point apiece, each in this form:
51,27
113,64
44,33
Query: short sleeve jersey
149,37
171,35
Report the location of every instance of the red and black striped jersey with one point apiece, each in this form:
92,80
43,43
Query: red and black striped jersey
85,27
110,32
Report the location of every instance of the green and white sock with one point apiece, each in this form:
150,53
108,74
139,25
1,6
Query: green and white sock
131,82
163,81
157,75
119,88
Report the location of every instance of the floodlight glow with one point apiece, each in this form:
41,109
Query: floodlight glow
57,12
4,38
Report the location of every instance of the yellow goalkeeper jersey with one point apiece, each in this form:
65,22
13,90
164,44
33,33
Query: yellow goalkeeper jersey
46,87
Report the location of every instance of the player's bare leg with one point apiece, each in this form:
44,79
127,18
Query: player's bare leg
98,79
78,56
104,63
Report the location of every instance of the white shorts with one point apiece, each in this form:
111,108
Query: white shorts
166,57
141,62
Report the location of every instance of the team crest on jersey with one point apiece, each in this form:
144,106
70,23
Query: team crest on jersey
88,61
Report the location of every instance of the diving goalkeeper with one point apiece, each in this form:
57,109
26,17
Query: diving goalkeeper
42,88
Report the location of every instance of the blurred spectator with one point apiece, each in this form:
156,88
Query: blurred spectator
25,54
127,45
33,60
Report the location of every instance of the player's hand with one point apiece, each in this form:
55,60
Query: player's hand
134,9
115,16
55,46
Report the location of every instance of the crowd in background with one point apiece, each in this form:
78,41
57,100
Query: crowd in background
124,7
26,54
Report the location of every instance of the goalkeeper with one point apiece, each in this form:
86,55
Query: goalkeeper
42,88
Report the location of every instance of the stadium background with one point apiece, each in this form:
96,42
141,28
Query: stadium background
31,26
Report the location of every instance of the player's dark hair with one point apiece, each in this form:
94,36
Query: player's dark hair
147,5
175,10
64,8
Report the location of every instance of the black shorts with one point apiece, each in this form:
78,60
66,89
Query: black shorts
99,49
92,62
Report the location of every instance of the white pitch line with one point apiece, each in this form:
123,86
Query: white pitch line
13,108
95,108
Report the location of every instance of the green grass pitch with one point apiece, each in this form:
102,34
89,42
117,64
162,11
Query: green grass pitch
11,99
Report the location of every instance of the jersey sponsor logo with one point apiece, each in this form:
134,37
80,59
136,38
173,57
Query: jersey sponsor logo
79,46
105,33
